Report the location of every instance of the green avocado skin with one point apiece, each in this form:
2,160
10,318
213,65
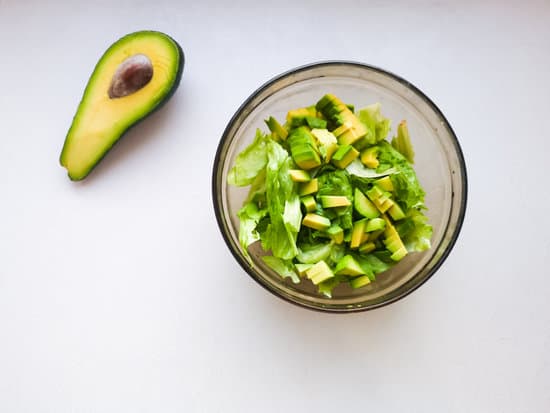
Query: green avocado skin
154,107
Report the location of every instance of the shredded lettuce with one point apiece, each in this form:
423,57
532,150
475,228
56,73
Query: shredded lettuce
415,231
249,216
250,162
378,125
285,268
280,191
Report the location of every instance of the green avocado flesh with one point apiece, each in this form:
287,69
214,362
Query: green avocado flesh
133,78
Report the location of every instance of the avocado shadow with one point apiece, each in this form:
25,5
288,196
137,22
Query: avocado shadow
136,138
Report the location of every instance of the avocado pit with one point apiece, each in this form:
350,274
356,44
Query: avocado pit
132,75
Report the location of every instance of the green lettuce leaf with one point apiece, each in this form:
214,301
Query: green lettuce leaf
285,268
378,125
337,182
415,231
405,182
281,203
250,161
249,216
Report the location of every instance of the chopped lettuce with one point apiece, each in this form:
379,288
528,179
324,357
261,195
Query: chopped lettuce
250,162
415,231
378,125
249,216
407,188
285,268
280,192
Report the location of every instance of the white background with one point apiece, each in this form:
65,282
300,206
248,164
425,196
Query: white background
118,294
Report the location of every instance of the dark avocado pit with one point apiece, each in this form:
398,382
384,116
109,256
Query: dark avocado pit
133,78
132,74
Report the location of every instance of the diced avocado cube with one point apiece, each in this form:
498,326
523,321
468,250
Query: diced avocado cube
363,206
302,268
340,130
299,175
327,143
399,254
375,193
303,148
367,247
364,238
305,156
385,183
276,128
373,236
333,201
314,122
316,221
357,232
336,233
375,224
319,272
349,137
348,266
396,212
307,188
369,157
298,117
309,203
344,156
393,243
359,282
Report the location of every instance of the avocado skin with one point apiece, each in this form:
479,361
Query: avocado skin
159,105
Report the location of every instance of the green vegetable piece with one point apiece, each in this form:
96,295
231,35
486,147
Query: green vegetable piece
367,247
369,157
303,148
314,253
319,272
348,266
309,203
375,224
298,175
396,212
333,201
315,123
298,117
250,162
327,143
402,142
336,233
282,267
307,188
399,254
385,183
302,268
363,205
316,221
357,233
376,124
276,128
359,282
337,113
344,156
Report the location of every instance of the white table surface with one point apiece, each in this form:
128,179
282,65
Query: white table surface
118,294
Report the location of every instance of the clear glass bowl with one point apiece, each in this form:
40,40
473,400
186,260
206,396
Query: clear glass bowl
439,164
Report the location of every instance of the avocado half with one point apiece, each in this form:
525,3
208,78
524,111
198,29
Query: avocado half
133,78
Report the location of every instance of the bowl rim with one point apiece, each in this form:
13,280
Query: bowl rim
454,139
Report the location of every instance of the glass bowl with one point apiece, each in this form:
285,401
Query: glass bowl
439,164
